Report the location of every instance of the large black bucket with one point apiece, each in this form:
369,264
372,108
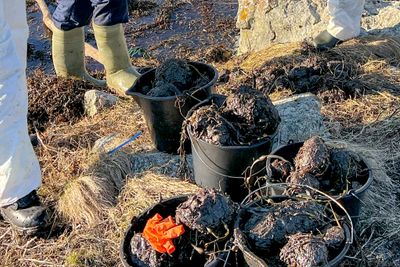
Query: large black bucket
223,167
353,199
165,115
262,195
164,208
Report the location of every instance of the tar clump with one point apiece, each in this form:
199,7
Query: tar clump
175,77
209,211
246,117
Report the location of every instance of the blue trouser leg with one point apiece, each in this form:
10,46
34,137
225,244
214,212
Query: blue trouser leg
110,12
71,14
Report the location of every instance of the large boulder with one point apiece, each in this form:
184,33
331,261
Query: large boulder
265,22
301,119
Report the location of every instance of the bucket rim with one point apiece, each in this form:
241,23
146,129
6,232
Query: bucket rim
212,82
360,190
267,139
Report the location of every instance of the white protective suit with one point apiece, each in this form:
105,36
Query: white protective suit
19,167
345,18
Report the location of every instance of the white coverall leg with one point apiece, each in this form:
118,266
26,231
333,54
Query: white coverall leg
345,18
19,167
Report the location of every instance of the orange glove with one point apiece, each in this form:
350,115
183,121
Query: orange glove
160,232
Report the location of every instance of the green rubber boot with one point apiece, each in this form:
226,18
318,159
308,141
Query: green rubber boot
325,41
120,73
68,53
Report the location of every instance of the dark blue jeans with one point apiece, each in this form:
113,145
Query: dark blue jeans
71,14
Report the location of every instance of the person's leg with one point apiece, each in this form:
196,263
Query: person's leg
345,18
19,167
344,23
108,17
68,40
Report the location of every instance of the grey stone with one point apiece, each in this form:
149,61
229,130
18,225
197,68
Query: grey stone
301,118
96,101
266,22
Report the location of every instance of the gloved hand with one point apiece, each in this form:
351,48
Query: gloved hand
159,233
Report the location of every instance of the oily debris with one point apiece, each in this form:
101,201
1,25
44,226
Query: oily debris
344,165
206,123
253,113
327,75
175,76
313,157
304,250
246,117
296,178
54,100
145,256
209,210
334,237
281,170
317,165
268,227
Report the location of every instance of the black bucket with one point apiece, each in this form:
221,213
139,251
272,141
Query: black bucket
352,200
164,208
255,261
223,167
165,115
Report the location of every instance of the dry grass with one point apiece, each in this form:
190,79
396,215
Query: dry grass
75,175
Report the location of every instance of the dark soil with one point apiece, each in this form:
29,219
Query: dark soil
209,210
344,165
174,77
304,250
313,157
54,100
334,237
268,227
245,118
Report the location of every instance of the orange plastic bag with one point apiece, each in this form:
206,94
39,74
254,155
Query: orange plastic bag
160,232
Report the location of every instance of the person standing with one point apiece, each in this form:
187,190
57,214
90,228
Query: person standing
344,23
20,174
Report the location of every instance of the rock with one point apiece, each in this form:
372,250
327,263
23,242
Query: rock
96,101
261,23
301,118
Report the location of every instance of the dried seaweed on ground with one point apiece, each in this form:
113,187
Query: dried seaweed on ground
208,210
313,157
304,250
53,100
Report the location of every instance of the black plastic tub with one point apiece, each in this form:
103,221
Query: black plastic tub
352,200
253,260
165,115
223,167
164,208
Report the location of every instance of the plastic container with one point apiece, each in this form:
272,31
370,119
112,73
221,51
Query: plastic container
164,115
222,167
254,197
164,208
352,200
